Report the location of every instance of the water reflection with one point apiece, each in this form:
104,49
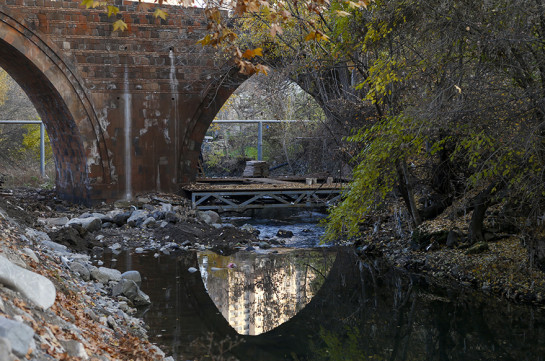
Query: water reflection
257,292
362,311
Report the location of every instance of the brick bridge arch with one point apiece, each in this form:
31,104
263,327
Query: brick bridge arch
126,112
60,99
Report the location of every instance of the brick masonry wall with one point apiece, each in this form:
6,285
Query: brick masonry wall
151,93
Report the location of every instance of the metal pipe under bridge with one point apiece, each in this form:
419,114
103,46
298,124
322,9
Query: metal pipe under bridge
259,123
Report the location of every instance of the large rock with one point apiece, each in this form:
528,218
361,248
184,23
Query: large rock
134,276
33,286
137,218
208,217
5,350
100,216
90,224
74,349
166,207
264,245
249,228
37,236
59,248
130,289
81,269
171,217
70,237
103,274
20,336
58,222
282,233
117,216
149,222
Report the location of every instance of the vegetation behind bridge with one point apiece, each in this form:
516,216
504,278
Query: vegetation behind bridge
440,104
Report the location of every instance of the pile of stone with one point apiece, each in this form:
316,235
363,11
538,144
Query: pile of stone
39,320
147,217
256,169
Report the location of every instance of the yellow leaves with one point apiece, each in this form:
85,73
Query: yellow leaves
112,10
160,14
251,53
259,68
216,38
316,35
213,14
358,5
206,40
343,13
249,68
120,25
247,6
93,3
275,29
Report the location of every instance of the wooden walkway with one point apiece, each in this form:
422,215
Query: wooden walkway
239,194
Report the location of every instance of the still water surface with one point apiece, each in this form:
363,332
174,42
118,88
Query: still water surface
323,304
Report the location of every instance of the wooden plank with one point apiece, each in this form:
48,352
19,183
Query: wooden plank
269,181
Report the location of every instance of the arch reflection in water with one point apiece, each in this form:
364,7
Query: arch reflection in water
257,292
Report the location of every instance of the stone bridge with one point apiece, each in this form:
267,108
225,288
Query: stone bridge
126,112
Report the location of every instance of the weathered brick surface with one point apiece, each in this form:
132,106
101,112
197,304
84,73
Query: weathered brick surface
94,89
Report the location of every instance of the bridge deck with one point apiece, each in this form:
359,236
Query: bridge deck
239,194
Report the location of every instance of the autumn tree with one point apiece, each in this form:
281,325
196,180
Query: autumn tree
441,99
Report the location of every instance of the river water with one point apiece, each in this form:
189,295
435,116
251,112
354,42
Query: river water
305,227
322,304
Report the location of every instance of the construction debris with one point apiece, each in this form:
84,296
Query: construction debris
256,168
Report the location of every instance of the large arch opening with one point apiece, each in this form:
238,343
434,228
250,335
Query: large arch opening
66,142
61,103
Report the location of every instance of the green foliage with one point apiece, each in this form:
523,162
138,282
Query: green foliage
385,144
4,86
214,158
250,152
31,142
383,75
341,347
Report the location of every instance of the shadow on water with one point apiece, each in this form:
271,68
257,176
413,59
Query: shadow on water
361,312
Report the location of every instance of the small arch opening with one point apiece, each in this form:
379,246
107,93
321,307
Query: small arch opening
20,140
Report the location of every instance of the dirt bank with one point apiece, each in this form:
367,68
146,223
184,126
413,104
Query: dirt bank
439,249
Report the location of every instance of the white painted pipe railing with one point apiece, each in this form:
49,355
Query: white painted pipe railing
259,129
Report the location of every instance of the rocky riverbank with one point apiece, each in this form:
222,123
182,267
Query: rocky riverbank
58,303
50,309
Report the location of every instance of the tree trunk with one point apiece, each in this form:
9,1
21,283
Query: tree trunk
407,191
480,205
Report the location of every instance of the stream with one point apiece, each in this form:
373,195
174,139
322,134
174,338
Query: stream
321,303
